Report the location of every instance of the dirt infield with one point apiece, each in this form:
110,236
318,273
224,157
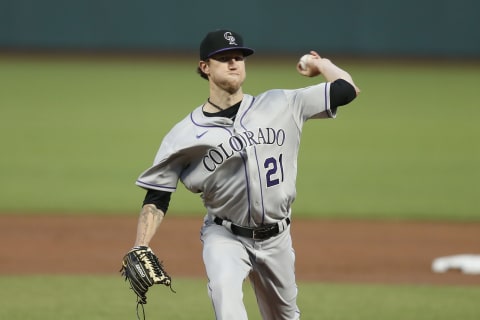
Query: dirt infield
327,251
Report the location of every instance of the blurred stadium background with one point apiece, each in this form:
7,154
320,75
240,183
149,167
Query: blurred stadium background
423,28
75,133
413,156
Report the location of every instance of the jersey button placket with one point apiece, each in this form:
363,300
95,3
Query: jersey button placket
255,185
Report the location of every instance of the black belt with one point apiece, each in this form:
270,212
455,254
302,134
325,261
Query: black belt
260,233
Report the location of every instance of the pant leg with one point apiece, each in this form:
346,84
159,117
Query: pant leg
273,278
227,265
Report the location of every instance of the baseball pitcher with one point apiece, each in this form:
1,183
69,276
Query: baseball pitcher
239,152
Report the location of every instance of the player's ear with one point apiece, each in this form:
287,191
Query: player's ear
203,65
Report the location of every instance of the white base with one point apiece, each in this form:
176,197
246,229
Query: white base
466,263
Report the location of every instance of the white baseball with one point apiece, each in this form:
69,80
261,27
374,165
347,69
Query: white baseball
303,61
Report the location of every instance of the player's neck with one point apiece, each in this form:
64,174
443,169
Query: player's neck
218,103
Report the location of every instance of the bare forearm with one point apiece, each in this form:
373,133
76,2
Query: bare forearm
331,72
316,65
148,222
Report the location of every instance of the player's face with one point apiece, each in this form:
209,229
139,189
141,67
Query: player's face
227,70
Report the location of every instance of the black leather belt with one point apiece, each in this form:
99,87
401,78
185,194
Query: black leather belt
260,233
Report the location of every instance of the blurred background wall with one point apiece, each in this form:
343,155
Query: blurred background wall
415,28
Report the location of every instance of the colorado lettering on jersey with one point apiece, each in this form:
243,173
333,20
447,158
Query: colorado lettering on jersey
237,143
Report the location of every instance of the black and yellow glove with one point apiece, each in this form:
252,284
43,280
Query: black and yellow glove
140,266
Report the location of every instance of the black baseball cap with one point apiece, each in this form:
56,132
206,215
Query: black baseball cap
220,41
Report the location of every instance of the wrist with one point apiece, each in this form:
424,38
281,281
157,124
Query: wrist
139,247
323,64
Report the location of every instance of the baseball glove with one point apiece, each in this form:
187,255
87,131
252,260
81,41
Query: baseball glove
140,266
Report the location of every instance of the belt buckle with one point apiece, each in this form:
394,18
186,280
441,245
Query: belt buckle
255,234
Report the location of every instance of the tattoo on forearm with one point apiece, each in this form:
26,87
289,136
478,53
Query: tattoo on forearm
150,218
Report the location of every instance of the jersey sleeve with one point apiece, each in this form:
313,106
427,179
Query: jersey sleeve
164,174
167,166
312,102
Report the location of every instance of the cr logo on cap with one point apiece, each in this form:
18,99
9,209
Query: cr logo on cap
231,39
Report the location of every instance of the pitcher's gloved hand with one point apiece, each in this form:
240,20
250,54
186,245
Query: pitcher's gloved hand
140,266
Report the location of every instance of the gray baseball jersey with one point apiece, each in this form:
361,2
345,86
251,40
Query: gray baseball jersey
245,169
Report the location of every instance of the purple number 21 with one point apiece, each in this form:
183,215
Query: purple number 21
273,176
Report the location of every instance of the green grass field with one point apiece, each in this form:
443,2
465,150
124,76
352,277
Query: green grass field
107,297
76,133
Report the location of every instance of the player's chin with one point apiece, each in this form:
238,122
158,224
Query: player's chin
233,85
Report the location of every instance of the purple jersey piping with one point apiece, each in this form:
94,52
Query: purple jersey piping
327,102
206,126
243,158
258,169
156,185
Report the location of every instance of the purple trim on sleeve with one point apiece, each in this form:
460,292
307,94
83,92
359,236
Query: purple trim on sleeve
326,95
141,183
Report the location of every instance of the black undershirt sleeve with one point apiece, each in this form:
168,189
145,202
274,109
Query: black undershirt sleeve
161,199
341,93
